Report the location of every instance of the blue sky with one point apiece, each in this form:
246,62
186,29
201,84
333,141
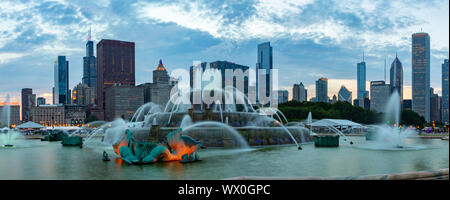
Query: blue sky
310,38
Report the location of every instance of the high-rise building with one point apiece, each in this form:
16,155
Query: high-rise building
61,91
159,91
265,62
90,66
322,90
221,66
379,95
283,96
345,95
407,104
334,99
82,94
40,101
421,74
445,99
26,107
396,77
299,93
115,64
122,101
361,79
435,106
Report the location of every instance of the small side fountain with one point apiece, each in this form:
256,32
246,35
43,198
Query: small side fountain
7,135
391,135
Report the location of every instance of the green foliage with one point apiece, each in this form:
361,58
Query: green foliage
91,118
409,117
296,111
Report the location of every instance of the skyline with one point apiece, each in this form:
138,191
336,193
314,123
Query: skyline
34,35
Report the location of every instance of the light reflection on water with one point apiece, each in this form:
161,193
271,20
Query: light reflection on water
50,160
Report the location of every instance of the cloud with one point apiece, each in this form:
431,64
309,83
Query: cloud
370,24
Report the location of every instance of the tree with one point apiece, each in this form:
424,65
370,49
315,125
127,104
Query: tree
409,117
91,118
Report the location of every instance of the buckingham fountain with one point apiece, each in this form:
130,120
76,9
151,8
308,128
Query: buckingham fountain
175,131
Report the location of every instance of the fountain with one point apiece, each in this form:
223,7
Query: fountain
214,125
391,135
7,135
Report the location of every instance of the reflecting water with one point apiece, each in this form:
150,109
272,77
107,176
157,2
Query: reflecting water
46,160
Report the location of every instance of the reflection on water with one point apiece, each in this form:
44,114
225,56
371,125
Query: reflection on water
47,160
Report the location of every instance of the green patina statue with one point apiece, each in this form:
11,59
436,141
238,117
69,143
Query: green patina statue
179,147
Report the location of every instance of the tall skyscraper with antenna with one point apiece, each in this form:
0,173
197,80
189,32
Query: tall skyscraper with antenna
90,65
361,79
421,74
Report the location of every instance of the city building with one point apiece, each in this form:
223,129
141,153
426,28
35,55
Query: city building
396,77
48,115
74,115
40,101
299,93
82,94
345,95
322,90
26,104
265,62
122,101
221,66
159,91
379,95
283,96
421,74
445,99
59,115
61,91
90,67
334,99
115,65
361,79
407,104
435,106
14,114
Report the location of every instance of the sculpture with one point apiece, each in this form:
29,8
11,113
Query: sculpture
178,148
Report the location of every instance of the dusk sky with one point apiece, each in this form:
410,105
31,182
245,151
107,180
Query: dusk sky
310,39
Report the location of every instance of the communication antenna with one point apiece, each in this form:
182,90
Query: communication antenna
89,34
385,69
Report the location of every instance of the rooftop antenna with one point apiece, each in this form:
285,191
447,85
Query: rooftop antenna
385,69
89,34
363,55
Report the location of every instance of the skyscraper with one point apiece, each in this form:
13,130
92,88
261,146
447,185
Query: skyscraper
322,90
26,107
90,66
445,100
115,64
299,93
265,62
435,106
283,96
361,79
396,77
421,74
345,95
379,95
40,101
61,91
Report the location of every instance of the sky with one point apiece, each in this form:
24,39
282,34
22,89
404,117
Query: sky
310,38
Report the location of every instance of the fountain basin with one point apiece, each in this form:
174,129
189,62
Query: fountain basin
219,137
